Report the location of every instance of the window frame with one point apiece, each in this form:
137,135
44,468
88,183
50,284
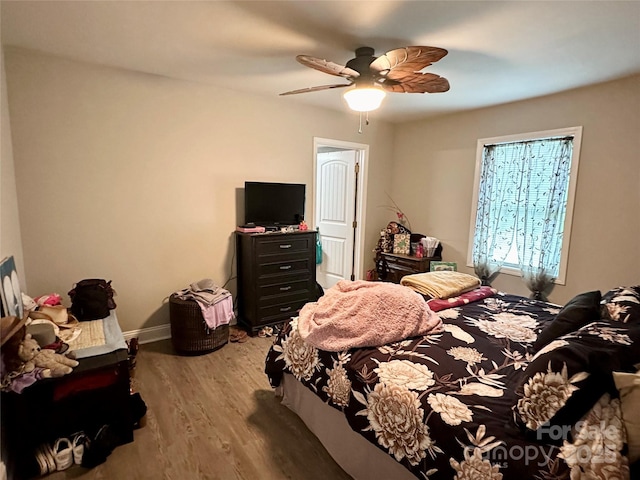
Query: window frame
576,133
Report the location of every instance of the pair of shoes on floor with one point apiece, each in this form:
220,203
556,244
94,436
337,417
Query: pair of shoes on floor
67,451
46,460
63,453
78,444
237,335
265,332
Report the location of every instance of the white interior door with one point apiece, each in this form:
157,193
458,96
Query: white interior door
335,212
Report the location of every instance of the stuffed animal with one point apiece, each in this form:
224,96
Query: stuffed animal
53,364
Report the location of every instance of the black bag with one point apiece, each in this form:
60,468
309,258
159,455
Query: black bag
318,292
92,299
138,409
100,447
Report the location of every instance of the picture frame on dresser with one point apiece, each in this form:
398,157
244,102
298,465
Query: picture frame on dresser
443,266
10,290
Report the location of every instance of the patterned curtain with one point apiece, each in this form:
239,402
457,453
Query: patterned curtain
538,282
493,234
522,196
542,197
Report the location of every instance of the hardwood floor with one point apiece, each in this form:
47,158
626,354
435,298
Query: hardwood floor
212,416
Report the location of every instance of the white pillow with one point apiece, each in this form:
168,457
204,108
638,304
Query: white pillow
628,384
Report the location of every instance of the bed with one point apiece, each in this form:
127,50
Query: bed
507,387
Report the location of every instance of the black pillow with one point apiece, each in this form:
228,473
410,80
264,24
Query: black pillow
578,311
567,377
622,304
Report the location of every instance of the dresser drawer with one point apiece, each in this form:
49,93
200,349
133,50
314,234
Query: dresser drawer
291,285
280,311
409,263
401,269
398,265
269,269
396,272
269,301
284,245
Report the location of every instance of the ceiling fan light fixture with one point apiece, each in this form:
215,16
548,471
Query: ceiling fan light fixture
364,99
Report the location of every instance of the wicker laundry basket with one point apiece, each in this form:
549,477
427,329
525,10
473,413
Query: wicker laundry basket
189,331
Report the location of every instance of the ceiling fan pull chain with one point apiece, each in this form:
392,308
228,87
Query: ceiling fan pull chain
360,127
367,119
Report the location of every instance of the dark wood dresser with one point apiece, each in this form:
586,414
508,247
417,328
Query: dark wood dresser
276,276
397,265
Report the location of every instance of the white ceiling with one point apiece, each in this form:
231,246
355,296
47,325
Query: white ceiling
498,51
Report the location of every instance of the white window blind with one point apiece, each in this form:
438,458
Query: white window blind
523,200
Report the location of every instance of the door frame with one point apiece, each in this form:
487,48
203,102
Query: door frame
362,157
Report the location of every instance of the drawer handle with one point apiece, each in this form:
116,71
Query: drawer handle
288,245
285,267
285,309
284,289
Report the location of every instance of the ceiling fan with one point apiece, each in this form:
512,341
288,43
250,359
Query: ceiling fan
397,70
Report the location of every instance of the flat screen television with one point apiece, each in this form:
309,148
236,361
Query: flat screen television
273,204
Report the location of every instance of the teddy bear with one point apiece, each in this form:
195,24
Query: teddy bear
53,364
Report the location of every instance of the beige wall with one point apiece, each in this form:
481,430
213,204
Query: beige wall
10,241
135,178
434,163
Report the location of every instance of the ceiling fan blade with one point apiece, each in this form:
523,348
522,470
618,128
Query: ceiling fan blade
327,67
315,89
415,83
405,60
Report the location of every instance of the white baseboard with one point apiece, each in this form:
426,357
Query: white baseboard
149,335
155,334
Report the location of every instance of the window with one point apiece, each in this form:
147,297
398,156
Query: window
523,202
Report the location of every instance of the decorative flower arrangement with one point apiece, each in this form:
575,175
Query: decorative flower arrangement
402,218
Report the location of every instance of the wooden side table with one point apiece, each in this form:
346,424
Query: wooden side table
96,393
397,266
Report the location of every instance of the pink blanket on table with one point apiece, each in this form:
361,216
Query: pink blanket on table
365,314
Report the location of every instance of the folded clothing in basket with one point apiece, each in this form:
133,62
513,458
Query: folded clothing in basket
218,314
214,301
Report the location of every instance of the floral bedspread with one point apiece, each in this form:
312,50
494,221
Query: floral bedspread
443,405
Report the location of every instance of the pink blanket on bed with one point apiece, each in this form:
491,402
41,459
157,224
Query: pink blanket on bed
365,314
